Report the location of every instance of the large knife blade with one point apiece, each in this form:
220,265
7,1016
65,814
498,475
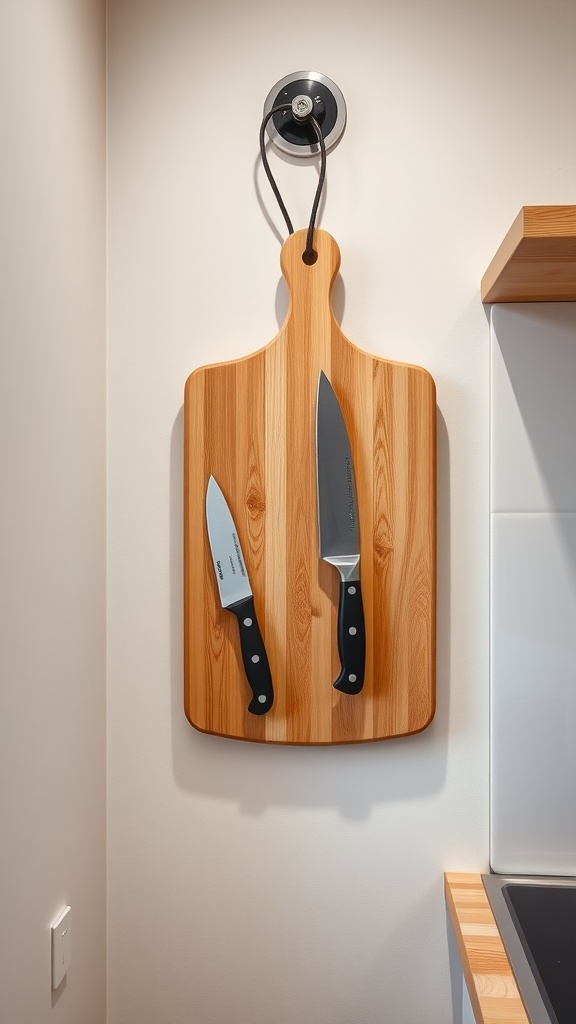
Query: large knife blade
339,531
236,596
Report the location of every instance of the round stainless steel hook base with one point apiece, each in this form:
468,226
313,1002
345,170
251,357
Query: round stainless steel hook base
328,109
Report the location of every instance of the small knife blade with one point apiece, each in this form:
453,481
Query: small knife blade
236,596
339,532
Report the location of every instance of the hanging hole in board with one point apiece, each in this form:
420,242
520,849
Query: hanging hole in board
309,258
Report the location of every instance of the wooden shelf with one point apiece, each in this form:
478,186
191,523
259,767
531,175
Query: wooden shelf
537,259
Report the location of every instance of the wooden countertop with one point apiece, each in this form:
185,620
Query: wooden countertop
491,984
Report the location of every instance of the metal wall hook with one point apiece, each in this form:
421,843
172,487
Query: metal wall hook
293,134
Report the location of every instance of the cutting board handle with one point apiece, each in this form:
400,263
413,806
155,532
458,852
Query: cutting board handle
309,285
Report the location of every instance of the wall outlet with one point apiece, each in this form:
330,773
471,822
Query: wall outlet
61,946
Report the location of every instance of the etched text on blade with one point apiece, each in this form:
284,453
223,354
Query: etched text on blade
231,574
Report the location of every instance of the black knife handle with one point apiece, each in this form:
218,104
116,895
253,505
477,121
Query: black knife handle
254,657
351,638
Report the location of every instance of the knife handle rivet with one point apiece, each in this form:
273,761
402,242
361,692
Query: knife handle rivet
352,630
262,698
255,658
247,622
351,590
352,677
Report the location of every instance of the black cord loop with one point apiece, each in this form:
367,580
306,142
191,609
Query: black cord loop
308,255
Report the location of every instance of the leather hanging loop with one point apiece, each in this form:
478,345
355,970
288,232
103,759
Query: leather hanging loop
309,256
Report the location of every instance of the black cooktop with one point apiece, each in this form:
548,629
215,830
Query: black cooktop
545,919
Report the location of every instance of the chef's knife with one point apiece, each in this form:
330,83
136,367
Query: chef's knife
339,533
236,595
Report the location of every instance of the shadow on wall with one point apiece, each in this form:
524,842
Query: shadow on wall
538,345
351,778
534,378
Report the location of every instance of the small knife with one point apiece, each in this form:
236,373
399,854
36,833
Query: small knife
339,533
236,596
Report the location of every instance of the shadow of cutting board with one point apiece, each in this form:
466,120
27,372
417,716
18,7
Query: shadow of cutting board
251,423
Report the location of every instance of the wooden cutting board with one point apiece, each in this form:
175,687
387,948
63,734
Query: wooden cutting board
251,423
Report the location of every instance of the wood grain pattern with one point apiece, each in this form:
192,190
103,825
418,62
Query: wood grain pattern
536,261
491,984
251,423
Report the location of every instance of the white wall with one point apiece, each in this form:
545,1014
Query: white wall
252,883
52,540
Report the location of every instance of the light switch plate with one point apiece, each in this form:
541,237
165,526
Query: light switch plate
61,946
